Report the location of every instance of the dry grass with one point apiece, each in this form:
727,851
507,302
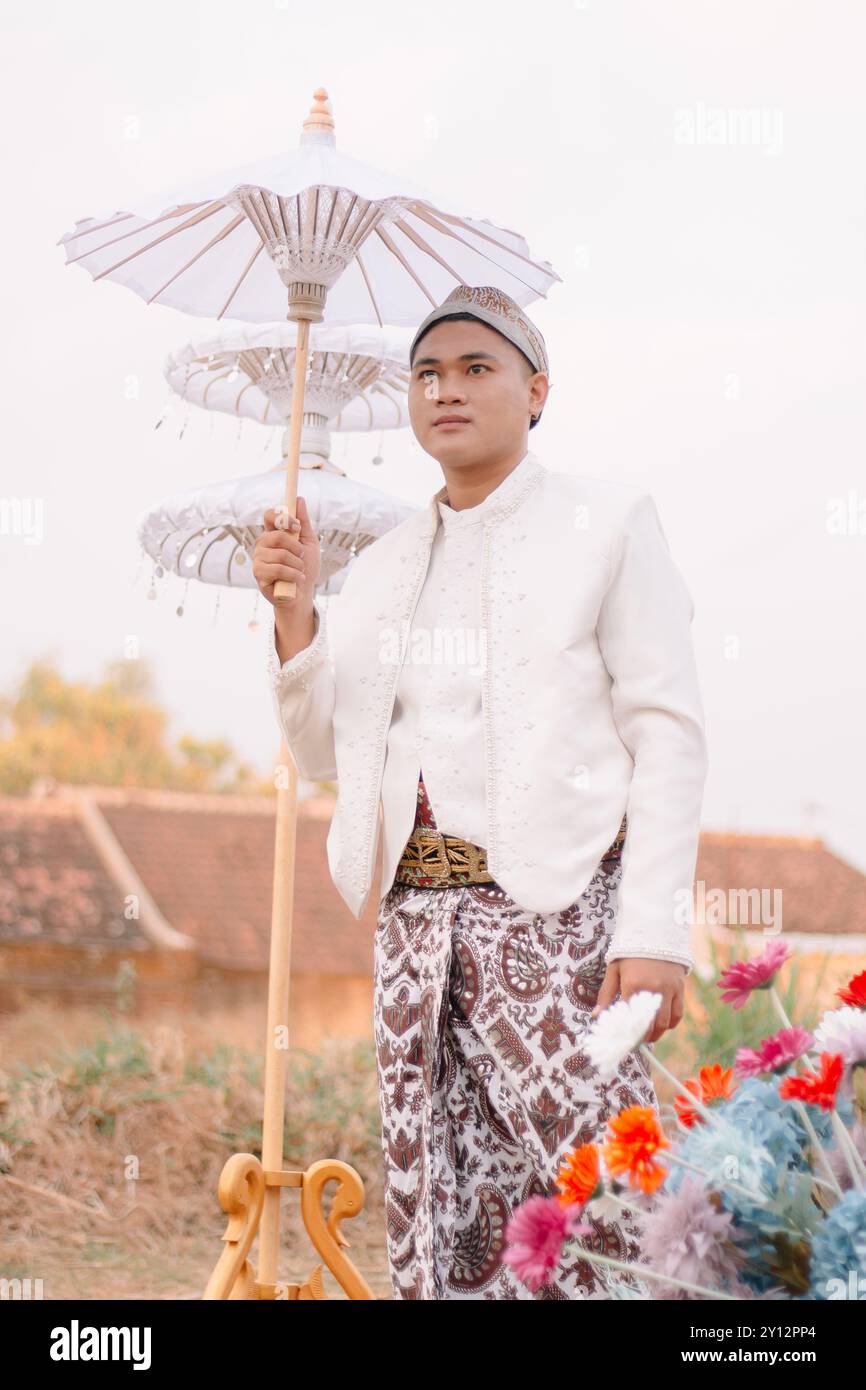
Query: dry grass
114,1140
113,1134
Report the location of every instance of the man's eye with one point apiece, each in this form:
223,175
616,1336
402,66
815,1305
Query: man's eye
482,365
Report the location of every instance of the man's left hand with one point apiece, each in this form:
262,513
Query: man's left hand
632,973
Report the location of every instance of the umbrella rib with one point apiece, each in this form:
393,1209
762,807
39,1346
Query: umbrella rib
249,386
425,246
192,260
222,376
313,213
368,219
190,376
227,530
160,547
360,262
244,273
404,226
383,235
254,208
332,213
423,212
266,213
381,390
296,208
122,217
94,250
350,208
99,227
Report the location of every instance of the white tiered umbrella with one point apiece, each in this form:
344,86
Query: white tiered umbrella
209,533
357,378
311,235
251,242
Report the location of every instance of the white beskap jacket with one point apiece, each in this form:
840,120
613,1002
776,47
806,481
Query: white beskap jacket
590,700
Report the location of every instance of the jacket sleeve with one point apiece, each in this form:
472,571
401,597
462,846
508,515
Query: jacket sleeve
644,632
303,691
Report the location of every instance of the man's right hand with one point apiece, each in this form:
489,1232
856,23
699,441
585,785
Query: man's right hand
288,548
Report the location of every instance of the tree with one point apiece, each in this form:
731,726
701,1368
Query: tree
112,733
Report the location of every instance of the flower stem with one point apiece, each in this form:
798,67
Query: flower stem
816,1145
759,1197
681,1090
855,1162
643,1272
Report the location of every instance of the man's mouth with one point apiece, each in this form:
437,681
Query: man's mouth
451,420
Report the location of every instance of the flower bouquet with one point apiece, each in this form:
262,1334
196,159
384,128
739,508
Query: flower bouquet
760,1194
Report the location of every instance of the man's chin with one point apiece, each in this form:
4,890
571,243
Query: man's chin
453,443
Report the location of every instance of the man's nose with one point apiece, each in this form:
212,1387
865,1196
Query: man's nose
451,390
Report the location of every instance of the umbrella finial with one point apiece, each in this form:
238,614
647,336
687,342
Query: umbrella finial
319,125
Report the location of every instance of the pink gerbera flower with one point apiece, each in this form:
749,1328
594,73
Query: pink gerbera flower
536,1234
739,979
775,1053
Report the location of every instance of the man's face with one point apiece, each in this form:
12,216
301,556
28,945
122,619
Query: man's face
466,369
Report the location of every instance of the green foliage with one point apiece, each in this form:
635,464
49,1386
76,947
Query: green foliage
333,1096
125,978
216,1068
112,733
117,1054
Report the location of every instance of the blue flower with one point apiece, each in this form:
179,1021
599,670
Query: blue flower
839,1250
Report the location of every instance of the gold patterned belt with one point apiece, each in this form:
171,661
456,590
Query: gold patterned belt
433,860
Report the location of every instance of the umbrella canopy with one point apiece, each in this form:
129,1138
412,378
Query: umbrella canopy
209,532
357,377
286,233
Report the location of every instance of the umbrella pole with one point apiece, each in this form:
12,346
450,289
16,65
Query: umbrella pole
249,1191
277,1042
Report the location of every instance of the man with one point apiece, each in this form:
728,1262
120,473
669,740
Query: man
510,674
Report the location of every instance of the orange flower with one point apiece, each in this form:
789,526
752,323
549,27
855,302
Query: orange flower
687,1114
579,1175
817,1087
855,991
635,1138
713,1084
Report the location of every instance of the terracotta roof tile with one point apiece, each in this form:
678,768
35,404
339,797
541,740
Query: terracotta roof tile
820,892
208,863
53,886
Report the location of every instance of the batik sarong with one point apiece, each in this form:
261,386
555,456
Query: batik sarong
480,1007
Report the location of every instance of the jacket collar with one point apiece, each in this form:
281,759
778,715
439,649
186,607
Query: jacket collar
495,506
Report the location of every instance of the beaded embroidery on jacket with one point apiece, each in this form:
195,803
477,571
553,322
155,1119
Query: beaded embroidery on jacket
365,698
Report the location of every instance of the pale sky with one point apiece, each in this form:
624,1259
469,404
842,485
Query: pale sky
707,341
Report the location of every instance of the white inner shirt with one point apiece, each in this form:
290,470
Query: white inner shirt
436,723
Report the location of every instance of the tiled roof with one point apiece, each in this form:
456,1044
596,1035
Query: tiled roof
820,892
53,885
207,861
210,869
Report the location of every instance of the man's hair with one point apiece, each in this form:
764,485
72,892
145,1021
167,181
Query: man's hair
449,318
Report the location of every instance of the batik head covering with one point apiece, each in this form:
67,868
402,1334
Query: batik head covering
499,311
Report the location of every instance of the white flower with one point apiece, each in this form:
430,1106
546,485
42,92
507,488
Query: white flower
844,1031
618,1030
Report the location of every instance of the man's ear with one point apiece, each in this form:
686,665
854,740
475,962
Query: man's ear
542,403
